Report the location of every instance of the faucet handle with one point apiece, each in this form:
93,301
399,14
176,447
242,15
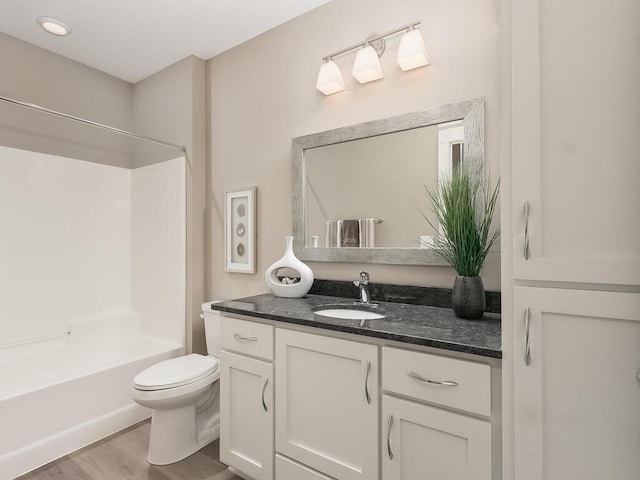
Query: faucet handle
364,277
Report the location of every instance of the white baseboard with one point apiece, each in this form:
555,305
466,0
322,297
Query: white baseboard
19,462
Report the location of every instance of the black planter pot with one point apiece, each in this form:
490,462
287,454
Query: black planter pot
468,299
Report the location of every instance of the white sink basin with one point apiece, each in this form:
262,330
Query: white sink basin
348,314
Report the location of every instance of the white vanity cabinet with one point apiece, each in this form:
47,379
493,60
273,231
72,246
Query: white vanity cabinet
577,384
351,409
573,348
327,404
573,160
420,440
247,397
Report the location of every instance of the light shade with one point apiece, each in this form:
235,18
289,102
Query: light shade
366,67
329,78
55,26
412,53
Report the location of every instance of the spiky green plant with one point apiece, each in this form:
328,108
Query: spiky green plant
464,204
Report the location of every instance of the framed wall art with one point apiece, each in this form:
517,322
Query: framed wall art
240,231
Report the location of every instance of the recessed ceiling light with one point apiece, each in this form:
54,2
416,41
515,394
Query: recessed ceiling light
55,26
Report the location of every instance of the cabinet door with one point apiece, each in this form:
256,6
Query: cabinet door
246,415
577,394
422,442
575,77
327,404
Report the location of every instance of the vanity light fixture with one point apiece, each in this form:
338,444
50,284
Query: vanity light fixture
412,53
55,26
366,67
330,79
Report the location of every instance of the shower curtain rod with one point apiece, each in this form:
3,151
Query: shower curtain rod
89,122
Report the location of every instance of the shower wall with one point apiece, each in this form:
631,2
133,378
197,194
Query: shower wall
65,242
80,239
158,248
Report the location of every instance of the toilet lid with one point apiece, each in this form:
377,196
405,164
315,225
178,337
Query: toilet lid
176,372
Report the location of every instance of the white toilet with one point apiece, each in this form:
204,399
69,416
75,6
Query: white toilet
184,395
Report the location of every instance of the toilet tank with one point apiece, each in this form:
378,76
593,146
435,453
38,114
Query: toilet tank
212,328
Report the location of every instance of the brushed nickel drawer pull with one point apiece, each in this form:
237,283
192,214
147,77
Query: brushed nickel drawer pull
527,246
264,387
444,383
389,425
527,341
242,338
366,383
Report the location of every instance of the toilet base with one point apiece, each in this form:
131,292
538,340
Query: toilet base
174,436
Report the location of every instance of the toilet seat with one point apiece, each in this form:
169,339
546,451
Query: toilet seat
176,372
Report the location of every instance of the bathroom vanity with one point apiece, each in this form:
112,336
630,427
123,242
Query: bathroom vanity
306,396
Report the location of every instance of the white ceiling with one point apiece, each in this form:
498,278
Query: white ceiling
132,39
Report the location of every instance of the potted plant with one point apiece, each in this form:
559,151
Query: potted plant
464,203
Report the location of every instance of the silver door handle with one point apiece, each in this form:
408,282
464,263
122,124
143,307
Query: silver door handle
366,383
242,338
527,246
389,425
527,343
638,376
445,383
264,387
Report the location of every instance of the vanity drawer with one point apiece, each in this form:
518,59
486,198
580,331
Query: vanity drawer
287,469
247,337
458,384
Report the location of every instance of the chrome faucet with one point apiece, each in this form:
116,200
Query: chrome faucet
363,283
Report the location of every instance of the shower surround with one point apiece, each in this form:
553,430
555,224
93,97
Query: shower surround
92,291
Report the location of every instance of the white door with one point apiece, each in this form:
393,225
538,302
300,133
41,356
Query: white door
576,118
577,384
246,415
327,404
421,442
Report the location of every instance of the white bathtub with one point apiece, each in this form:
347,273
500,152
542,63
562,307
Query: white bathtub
60,394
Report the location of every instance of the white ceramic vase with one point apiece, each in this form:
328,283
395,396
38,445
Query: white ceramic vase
280,287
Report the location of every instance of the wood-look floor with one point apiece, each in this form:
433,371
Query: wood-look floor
123,456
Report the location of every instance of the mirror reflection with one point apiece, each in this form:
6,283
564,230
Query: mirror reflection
363,193
357,189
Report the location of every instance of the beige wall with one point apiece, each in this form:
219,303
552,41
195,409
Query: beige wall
171,105
34,75
262,94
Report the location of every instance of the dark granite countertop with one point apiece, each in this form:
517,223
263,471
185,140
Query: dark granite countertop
414,324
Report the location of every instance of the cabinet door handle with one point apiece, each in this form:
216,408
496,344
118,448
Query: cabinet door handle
366,383
242,338
389,425
638,376
527,344
444,383
264,387
527,246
